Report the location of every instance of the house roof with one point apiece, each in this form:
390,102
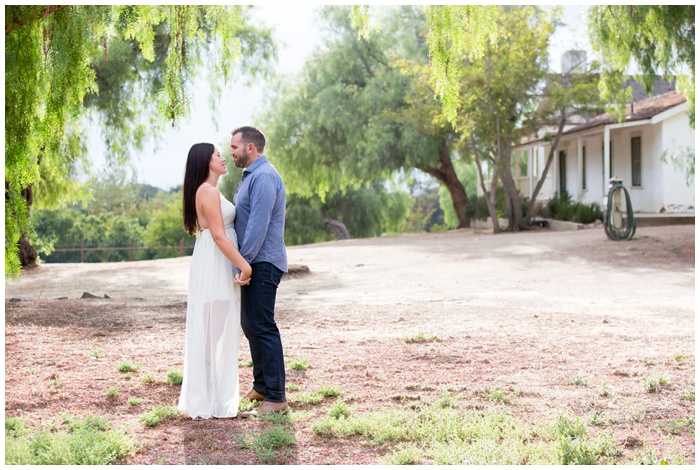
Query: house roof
638,111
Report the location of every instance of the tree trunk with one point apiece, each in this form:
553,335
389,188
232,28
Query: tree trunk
337,229
490,196
550,159
447,175
27,253
515,209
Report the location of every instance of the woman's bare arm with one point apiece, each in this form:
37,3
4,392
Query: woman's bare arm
209,202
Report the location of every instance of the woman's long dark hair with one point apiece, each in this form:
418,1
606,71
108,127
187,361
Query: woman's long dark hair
196,173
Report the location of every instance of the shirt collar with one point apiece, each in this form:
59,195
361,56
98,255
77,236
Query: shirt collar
253,166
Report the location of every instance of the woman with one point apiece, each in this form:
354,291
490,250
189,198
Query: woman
210,375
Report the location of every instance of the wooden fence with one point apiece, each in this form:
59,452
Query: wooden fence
131,248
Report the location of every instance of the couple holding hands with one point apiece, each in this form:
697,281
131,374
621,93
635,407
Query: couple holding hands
237,264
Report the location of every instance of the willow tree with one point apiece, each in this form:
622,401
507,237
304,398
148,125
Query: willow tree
362,110
49,71
499,93
659,38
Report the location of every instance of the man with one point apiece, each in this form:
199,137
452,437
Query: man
259,223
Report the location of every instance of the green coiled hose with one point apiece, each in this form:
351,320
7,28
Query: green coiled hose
626,232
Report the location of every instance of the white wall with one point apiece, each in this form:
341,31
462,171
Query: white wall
677,135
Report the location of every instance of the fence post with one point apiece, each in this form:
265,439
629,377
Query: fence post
131,251
81,252
182,247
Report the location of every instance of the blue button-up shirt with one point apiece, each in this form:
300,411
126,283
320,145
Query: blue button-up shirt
260,204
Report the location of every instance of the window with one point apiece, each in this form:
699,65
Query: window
562,171
636,161
523,163
583,167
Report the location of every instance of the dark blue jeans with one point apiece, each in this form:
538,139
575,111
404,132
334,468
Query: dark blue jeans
258,323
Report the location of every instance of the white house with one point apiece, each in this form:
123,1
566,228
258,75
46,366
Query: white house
589,154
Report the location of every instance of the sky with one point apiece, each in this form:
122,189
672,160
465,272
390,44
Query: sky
297,34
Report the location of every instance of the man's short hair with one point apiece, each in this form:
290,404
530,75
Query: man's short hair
251,135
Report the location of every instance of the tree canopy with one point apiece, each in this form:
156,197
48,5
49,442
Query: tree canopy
50,71
659,38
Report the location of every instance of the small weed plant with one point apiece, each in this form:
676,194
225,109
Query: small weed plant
655,385
419,338
579,380
271,446
96,353
299,364
133,401
174,377
112,392
156,415
127,367
147,378
248,363
329,391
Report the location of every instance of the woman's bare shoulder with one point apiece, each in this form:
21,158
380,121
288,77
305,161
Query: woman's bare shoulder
207,190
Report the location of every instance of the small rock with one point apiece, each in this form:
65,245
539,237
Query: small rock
606,321
60,298
107,297
87,295
17,299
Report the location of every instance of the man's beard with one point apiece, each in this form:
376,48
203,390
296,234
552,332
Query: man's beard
242,160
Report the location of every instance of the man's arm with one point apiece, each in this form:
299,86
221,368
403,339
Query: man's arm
263,193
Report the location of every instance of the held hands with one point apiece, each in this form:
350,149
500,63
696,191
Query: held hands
241,282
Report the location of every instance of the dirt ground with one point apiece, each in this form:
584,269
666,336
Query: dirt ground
553,316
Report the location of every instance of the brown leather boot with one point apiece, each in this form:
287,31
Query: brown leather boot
254,396
272,407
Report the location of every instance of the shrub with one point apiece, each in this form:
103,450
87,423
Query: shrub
174,377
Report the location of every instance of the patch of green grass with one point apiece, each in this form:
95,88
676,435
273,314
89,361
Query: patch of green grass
339,410
125,366
329,391
679,357
419,338
112,392
292,387
73,442
649,456
496,395
96,353
133,401
405,454
648,362
128,376
432,434
146,378
306,398
299,364
174,377
158,414
246,405
604,391
248,363
689,395
271,445
655,385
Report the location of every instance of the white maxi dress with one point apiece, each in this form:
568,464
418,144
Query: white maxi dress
210,373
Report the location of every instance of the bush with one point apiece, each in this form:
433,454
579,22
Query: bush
561,207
